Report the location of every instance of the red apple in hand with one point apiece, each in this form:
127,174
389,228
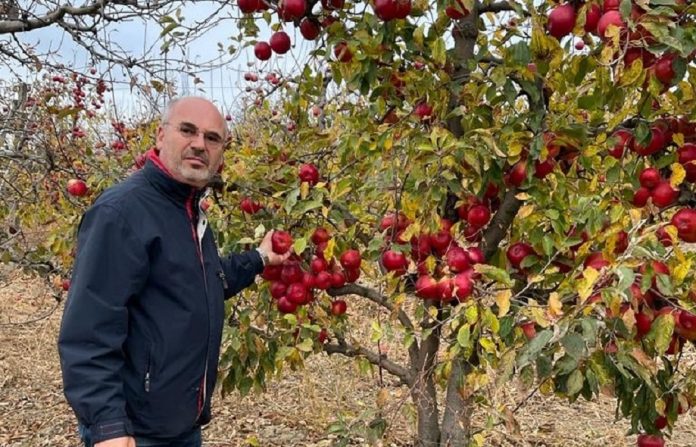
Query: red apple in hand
281,242
77,187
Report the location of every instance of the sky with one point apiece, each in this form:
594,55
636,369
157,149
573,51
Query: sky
225,84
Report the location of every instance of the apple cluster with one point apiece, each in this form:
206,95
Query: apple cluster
599,19
453,276
295,282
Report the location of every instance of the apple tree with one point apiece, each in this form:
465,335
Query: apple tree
511,182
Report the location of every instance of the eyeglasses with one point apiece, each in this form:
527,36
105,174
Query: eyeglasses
190,131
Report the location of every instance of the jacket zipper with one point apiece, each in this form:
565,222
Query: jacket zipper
147,371
199,249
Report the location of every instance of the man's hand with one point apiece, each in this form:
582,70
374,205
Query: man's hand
267,246
125,441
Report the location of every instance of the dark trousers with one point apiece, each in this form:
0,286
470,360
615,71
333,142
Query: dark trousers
192,439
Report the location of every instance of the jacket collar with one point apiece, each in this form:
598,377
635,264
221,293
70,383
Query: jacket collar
160,177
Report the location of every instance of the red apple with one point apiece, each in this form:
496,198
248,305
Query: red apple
517,252
686,325
657,142
338,307
445,289
65,284
662,236
277,289
77,187
596,261
320,235
385,9
611,5
561,20
664,194
323,280
463,286
643,324
291,273
286,306
649,177
645,440
290,10
685,221
297,293
247,205
456,11
272,272
641,196
331,5
394,261
612,17
310,28
426,287
621,139
594,12
262,51
280,42
420,247
338,279
423,110
518,173
318,265
529,329
663,69
475,255
478,216
309,173
281,241
403,8
687,157
342,52
248,6
352,275
457,259
441,241
350,259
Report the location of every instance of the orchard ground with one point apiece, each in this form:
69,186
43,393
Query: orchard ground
295,411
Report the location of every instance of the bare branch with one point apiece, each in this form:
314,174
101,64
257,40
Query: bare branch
375,297
500,223
349,350
496,7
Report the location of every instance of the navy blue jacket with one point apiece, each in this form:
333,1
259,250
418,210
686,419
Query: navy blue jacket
140,336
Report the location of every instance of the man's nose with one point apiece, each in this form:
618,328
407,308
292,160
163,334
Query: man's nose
198,141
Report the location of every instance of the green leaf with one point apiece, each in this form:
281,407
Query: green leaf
464,336
299,245
306,345
531,350
626,278
496,274
574,383
574,344
544,367
565,364
291,199
660,334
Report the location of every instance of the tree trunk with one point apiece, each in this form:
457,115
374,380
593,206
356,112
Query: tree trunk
423,390
456,422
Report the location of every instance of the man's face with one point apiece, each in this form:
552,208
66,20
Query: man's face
191,142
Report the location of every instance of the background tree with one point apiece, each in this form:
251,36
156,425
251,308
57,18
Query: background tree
512,183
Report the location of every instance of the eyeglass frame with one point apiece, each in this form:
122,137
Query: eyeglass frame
194,132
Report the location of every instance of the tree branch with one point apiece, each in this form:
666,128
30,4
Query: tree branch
496,7
352,351
500,223
375,297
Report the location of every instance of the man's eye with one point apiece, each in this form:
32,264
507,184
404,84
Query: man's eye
188,131
213,138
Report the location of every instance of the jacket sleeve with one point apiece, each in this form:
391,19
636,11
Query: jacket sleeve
240,270
111,266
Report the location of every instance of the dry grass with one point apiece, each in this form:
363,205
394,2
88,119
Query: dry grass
295,411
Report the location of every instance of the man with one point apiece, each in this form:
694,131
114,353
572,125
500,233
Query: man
140,336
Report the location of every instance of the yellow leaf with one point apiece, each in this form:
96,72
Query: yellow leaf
631,75
678,138
304,190
644,360
503,301
636,215
382,398
547,388
680,271
678,175
525,211
522,196
586,285
555,305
